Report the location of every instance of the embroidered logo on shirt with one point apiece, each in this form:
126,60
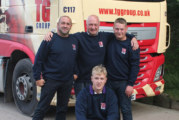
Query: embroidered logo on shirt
74,46
100,44
103,106
123,51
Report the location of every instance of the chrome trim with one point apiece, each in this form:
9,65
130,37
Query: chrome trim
140,76
105,29
137,84
143,67
144,50
141,33
144,58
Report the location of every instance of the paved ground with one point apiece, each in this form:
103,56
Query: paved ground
140,112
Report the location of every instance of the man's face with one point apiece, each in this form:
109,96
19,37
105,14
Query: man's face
120,31
98,80
93,25
64,26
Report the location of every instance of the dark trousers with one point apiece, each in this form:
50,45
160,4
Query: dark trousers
78,86
123,100
48,91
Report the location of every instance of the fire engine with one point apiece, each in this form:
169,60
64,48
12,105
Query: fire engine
23,24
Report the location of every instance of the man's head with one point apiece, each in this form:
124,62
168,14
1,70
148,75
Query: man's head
99,78
120,28
64,26
92,24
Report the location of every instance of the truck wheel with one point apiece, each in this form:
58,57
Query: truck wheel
24,87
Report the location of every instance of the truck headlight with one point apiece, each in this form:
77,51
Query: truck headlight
158,73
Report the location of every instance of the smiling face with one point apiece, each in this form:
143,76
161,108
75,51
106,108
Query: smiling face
64,26
120,31
98,80
92,25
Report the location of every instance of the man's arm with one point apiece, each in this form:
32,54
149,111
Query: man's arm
76,71
40,57
134,42
134,61
81,106
48,36
113,112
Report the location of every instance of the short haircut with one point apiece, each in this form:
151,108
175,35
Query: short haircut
95,16
121,21
99,69
62,17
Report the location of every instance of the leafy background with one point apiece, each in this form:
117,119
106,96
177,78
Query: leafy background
171,75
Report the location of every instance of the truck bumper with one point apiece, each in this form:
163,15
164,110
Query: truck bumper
149,90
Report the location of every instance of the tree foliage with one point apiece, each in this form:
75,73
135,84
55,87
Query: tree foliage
172,55
173,19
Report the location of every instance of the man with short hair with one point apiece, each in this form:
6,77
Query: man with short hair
92,50
55,60
97,102
122,66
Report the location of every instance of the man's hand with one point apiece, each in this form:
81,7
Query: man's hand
129,90
48,36
75,76
134,43
40,82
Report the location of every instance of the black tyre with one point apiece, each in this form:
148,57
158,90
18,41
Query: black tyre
24,88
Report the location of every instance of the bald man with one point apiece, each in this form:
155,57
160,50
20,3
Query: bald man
55,60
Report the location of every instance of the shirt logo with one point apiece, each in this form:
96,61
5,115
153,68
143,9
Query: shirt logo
74,46
100,44
123,51
103,106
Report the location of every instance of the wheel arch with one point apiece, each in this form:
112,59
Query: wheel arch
16,55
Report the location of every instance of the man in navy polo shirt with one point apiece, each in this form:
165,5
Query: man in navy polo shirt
122,66
97,102
55,60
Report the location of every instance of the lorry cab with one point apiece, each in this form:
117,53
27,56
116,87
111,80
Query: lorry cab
23,24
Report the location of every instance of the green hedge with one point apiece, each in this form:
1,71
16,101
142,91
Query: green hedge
171,75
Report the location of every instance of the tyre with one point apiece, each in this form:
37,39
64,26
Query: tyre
24,87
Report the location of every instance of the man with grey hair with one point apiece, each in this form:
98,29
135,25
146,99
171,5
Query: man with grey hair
92,50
